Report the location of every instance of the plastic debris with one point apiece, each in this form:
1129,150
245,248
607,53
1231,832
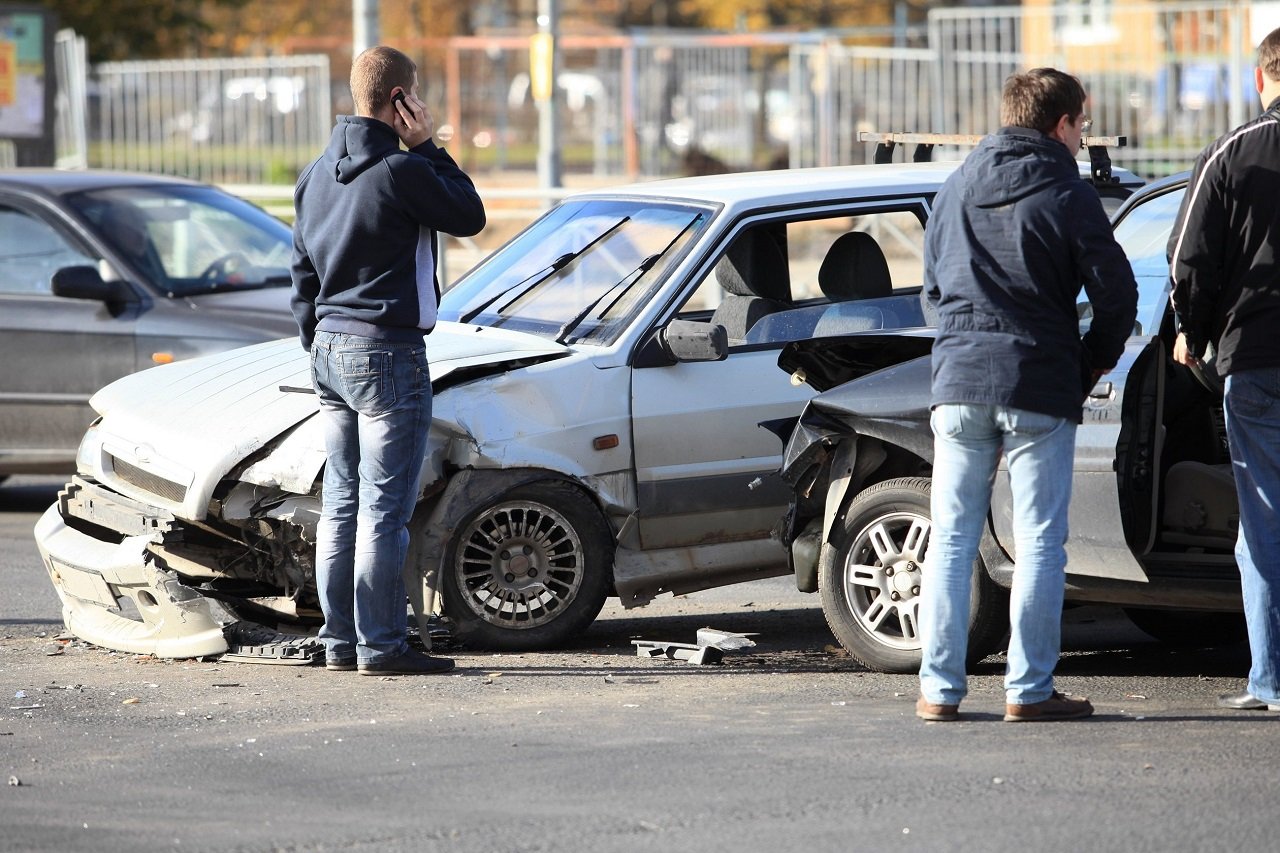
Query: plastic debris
710,647
14,781
133,700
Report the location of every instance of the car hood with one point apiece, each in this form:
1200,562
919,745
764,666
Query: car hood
191,422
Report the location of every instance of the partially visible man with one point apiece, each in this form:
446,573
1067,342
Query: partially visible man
1015,234
1224,259
365,293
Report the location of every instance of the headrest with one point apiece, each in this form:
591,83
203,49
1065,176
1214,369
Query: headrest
755,266
854,268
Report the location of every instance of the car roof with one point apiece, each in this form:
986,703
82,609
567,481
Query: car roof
58,182
788,186
783,186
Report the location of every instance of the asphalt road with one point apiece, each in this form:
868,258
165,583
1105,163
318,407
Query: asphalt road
787,746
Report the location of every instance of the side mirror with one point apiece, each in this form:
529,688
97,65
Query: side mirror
687,340
85,282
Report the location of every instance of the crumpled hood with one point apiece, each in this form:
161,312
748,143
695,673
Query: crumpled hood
356,144
193,421
1013,164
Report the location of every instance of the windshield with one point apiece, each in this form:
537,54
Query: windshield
580,273
1144,236
191,239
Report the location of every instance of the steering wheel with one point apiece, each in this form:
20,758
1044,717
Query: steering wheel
224,268
1206,372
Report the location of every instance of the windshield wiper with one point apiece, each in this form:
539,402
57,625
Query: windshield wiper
629,279
541,275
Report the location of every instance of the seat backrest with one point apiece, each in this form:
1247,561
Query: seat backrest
855,268
846,319
754,275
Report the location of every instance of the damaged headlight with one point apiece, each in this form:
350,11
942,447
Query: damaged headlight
89,453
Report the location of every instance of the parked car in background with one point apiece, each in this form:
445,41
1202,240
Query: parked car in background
598,384
105,273
1153,514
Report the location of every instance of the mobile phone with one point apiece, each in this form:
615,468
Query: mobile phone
398,98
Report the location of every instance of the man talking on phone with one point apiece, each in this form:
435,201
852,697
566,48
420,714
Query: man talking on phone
365,293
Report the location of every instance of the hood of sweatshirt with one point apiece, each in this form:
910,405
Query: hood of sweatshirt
356,144
1013,164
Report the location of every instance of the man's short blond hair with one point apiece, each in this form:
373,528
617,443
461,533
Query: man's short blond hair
374,73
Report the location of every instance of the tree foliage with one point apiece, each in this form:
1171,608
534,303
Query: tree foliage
138,29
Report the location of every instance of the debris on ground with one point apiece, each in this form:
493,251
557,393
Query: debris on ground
249,642
709,649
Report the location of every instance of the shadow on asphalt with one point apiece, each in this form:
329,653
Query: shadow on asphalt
29,494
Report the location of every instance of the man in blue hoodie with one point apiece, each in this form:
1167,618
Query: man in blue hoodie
1015,234
365,294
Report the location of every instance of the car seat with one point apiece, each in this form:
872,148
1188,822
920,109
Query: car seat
855,268
754,275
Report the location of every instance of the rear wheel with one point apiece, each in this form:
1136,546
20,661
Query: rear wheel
529,570
870,581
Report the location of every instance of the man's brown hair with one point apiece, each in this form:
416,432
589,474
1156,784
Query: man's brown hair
1038,98
374,73
1269,56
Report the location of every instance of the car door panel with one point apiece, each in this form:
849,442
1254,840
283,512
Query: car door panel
1099,541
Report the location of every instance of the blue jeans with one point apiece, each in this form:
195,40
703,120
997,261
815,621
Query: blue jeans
968,440
1252,408
375,403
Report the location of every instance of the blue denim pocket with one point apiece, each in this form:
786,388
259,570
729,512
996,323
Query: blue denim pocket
366,380
1254,394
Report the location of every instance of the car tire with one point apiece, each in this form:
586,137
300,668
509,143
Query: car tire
529,570
858,581
1189,629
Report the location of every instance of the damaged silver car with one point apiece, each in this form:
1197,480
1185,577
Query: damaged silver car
598,384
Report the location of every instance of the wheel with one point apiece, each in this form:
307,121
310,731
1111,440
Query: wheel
869,581
1189,629
529,570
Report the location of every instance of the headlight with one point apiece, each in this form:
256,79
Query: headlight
89,453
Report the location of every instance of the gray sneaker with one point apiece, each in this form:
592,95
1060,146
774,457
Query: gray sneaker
408,662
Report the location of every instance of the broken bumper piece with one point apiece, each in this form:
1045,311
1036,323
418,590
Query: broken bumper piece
173,621
251,643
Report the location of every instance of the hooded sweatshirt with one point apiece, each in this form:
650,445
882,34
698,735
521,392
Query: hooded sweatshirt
1015,233
364,236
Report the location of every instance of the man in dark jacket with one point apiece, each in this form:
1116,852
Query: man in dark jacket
1014,234
1226,290
365,294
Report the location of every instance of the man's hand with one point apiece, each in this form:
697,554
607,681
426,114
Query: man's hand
414,124
1182,352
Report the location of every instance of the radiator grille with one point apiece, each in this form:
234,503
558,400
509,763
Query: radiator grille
158,486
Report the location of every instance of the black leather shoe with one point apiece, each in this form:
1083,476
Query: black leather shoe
1244,701
408,662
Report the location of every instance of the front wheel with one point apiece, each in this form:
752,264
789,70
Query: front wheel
529,570
869,579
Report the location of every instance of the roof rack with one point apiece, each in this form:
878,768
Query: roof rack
1099,155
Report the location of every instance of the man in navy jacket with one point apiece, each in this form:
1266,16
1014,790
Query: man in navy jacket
1015,234
365,294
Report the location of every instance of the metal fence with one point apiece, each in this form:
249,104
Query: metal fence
222,120
1169,76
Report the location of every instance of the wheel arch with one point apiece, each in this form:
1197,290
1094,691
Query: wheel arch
437,516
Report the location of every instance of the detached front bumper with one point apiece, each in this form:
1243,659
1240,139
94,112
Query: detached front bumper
95,577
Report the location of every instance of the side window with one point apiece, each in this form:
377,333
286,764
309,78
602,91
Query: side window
31,251
777,279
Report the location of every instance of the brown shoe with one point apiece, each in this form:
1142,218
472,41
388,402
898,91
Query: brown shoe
1056,707
927,710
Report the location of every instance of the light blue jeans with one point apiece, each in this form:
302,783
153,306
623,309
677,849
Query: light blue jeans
968,440
1252,408
375,403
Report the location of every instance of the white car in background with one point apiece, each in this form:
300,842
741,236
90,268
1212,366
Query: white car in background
599,384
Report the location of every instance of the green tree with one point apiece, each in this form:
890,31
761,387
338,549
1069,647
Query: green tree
138,29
